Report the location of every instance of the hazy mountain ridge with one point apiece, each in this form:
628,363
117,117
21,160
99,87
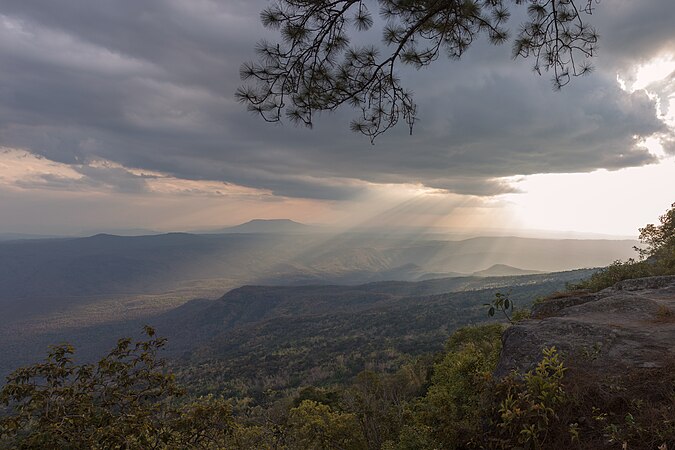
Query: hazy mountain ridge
274,226
38,268
500,270
253,303
87,288
24,236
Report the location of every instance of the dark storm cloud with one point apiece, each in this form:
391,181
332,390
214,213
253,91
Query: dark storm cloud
634,30
150,85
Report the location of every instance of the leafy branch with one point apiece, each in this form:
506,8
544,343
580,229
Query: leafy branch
501,303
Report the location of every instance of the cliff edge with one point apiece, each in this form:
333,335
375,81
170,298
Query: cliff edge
629,325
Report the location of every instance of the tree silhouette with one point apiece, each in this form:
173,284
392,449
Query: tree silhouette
315,68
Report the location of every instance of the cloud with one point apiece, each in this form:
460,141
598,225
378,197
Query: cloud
634,32
28,172
150,85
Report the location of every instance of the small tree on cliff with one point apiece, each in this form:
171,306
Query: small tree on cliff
660,240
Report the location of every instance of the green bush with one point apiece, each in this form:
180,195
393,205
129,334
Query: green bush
527,414
455,402
126,400
660,240
612,274
313,425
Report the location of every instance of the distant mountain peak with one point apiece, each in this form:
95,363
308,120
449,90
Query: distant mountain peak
102,236
271,221
500,270
267,226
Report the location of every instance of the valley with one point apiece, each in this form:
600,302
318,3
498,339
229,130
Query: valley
306,294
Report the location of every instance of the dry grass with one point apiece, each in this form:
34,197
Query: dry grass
636,409
566,294
664,315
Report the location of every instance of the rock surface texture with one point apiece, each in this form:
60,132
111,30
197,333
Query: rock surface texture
630,325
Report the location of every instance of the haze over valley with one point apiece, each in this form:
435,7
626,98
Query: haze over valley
104,285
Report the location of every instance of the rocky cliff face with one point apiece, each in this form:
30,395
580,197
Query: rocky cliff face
630,325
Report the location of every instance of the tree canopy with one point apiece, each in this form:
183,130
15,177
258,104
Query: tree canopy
660,239
315,67
128,400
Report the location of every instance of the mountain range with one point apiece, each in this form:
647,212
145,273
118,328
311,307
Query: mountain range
89,290
39,275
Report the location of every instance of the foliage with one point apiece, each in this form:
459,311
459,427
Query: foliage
327,346
380,402
315,426
528,407
126,400
324,396
487,337
501,303
457,398
413,437
521,314
315,68
660,241
612,274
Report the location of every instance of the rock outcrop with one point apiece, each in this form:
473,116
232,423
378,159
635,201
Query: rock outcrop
630,325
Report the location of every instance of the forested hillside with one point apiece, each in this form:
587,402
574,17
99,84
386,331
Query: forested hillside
255,339
89,290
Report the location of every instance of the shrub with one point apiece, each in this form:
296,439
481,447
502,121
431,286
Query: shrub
313,425
126,400
612,274
660,239
454,404
528,407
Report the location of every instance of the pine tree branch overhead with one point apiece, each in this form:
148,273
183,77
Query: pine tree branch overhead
314,67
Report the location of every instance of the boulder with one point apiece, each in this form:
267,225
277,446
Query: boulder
629,325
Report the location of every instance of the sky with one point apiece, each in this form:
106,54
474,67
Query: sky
121,115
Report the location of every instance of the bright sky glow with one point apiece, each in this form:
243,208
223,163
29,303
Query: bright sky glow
653,71
599,202
617,202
